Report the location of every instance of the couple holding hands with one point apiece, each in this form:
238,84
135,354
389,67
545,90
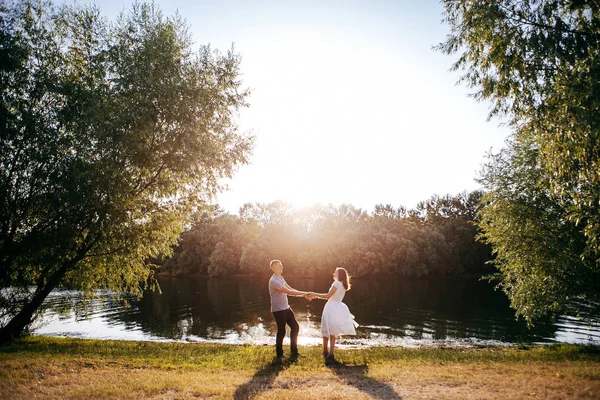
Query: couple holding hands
335,320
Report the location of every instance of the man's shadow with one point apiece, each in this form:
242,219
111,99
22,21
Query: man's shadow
356,375
261,381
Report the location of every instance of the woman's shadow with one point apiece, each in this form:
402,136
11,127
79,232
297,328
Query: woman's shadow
356,375
261,381
353,375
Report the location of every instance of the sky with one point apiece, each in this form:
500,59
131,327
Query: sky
350,104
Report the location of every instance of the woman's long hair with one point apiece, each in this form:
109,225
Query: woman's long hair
344,278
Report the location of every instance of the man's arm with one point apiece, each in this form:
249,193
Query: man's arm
291,291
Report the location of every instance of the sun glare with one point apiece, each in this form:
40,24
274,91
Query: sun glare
341,119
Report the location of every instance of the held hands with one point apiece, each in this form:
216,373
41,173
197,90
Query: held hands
309,296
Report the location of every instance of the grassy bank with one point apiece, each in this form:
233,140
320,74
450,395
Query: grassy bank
51,368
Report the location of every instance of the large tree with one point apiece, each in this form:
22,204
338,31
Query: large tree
112,136
538,62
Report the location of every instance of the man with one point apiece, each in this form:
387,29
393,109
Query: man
279,291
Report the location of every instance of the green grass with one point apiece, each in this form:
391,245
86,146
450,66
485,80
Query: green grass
45,367
247,357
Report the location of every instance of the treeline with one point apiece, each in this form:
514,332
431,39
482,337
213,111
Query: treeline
437,238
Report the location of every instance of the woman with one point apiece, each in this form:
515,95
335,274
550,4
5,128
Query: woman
336,318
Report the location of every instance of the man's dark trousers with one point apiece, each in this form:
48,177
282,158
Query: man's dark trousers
286,317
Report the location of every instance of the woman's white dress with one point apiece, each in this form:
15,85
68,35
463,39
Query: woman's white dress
336,319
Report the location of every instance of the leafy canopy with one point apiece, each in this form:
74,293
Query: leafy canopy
112,135
538,63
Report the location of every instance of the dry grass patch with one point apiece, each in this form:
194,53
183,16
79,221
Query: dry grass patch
43,368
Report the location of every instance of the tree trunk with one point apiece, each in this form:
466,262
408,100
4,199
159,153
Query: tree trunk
17,325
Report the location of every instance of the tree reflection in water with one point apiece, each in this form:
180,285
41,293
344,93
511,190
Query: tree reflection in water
390,311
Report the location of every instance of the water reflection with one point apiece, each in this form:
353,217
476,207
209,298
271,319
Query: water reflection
391,312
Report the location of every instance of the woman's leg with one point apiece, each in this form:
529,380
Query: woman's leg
325,349
331,344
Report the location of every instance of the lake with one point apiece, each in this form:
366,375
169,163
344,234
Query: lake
390,311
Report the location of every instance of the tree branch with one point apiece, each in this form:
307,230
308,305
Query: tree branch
524,21
107,253
152,180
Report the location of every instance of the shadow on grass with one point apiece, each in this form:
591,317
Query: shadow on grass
356,375
261,381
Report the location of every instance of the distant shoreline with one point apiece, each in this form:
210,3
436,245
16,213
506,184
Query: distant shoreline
364,277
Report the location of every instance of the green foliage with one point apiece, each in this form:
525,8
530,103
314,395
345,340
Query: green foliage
538,248
112,135
538,62
437,239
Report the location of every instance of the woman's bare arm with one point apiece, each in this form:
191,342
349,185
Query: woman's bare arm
324,296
